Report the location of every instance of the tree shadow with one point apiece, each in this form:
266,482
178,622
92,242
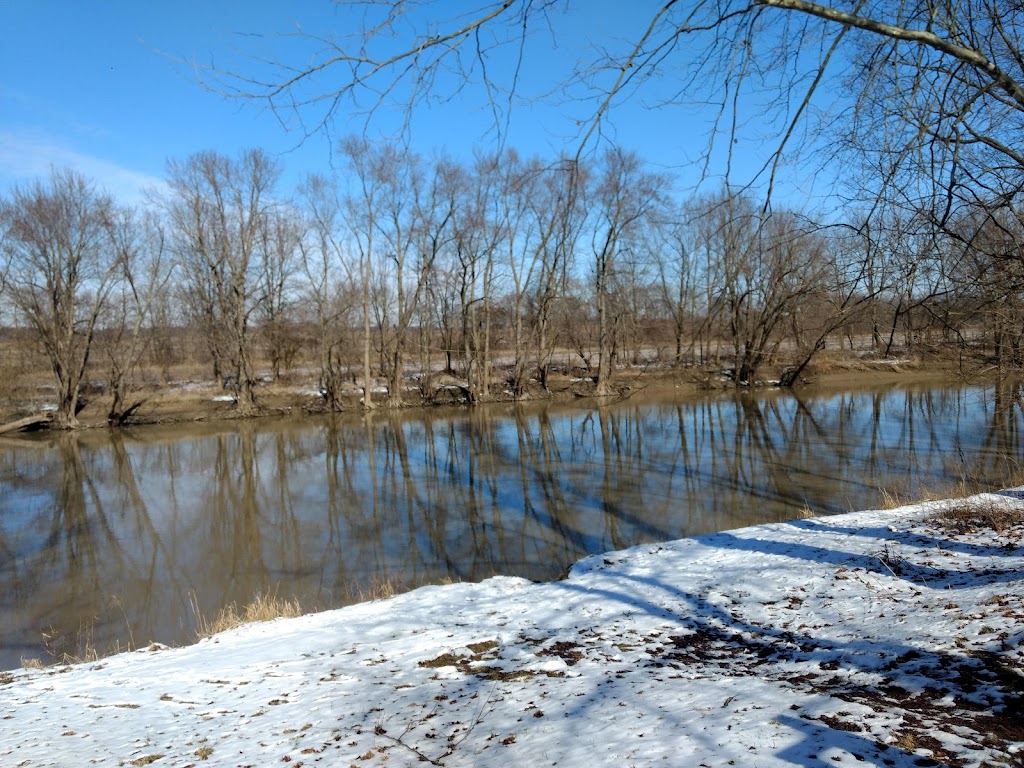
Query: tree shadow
985,687
818,739
884,562
915,539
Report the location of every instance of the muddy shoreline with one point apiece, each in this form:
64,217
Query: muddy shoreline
192,400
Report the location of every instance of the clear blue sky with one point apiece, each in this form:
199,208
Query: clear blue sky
96,86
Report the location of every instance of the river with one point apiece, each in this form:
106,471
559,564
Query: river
115,539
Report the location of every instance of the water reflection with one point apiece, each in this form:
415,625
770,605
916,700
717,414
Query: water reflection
120,537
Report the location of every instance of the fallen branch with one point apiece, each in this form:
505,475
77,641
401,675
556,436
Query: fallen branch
29,422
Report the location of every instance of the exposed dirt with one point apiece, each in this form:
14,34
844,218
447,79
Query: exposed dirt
195,400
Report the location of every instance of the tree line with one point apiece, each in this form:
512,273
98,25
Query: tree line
401,271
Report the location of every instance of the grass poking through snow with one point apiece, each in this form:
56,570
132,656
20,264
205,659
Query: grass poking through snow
968,516
264,606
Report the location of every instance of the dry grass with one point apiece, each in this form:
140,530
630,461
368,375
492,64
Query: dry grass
385,586
380,588
906,742
266,606
83,644
833,362
805,513
894,497
76,647
969,516
968,481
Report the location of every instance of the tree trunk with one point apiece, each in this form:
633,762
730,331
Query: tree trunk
604,345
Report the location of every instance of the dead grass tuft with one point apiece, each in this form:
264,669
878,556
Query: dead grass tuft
383,587
380,588
265,606
145,760
895,497
75,647
805,513
970,516
906,741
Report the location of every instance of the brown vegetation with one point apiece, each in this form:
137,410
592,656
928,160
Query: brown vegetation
265,606
971,515
188,397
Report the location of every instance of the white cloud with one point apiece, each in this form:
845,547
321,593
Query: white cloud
26,155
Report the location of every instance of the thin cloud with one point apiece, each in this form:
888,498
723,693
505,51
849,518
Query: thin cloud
26,155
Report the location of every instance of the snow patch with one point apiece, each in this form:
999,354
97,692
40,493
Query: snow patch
785,644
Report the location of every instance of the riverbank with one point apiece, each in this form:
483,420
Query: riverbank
872,638
199,400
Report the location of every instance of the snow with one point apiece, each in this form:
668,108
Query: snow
872,638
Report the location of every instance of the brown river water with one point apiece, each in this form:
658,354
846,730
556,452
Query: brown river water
118,538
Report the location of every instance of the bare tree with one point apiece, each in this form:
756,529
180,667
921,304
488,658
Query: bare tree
926,99
522,236
402,216
362,212
280,233
945,77
404,54
217,207
560,220
944,83
141,244
994,287
842,292
61,263
678,281
768,267
625,200
435,233
323,256
982,264
167,316
478,234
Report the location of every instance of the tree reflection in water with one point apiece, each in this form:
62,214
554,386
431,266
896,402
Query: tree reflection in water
113,537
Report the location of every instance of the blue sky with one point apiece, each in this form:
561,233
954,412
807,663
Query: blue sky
104,87
93,85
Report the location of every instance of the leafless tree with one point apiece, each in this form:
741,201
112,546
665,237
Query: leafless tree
436,204
624,202
521,240
140,241
363,211
61,263
678,280
217,208
984,266
997,282
767,268
941,84
560,216
843,292
280,233
403,214
478,234
324,259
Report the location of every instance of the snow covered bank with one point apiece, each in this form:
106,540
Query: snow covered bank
874,638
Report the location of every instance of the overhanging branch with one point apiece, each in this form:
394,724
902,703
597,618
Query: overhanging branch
970,56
